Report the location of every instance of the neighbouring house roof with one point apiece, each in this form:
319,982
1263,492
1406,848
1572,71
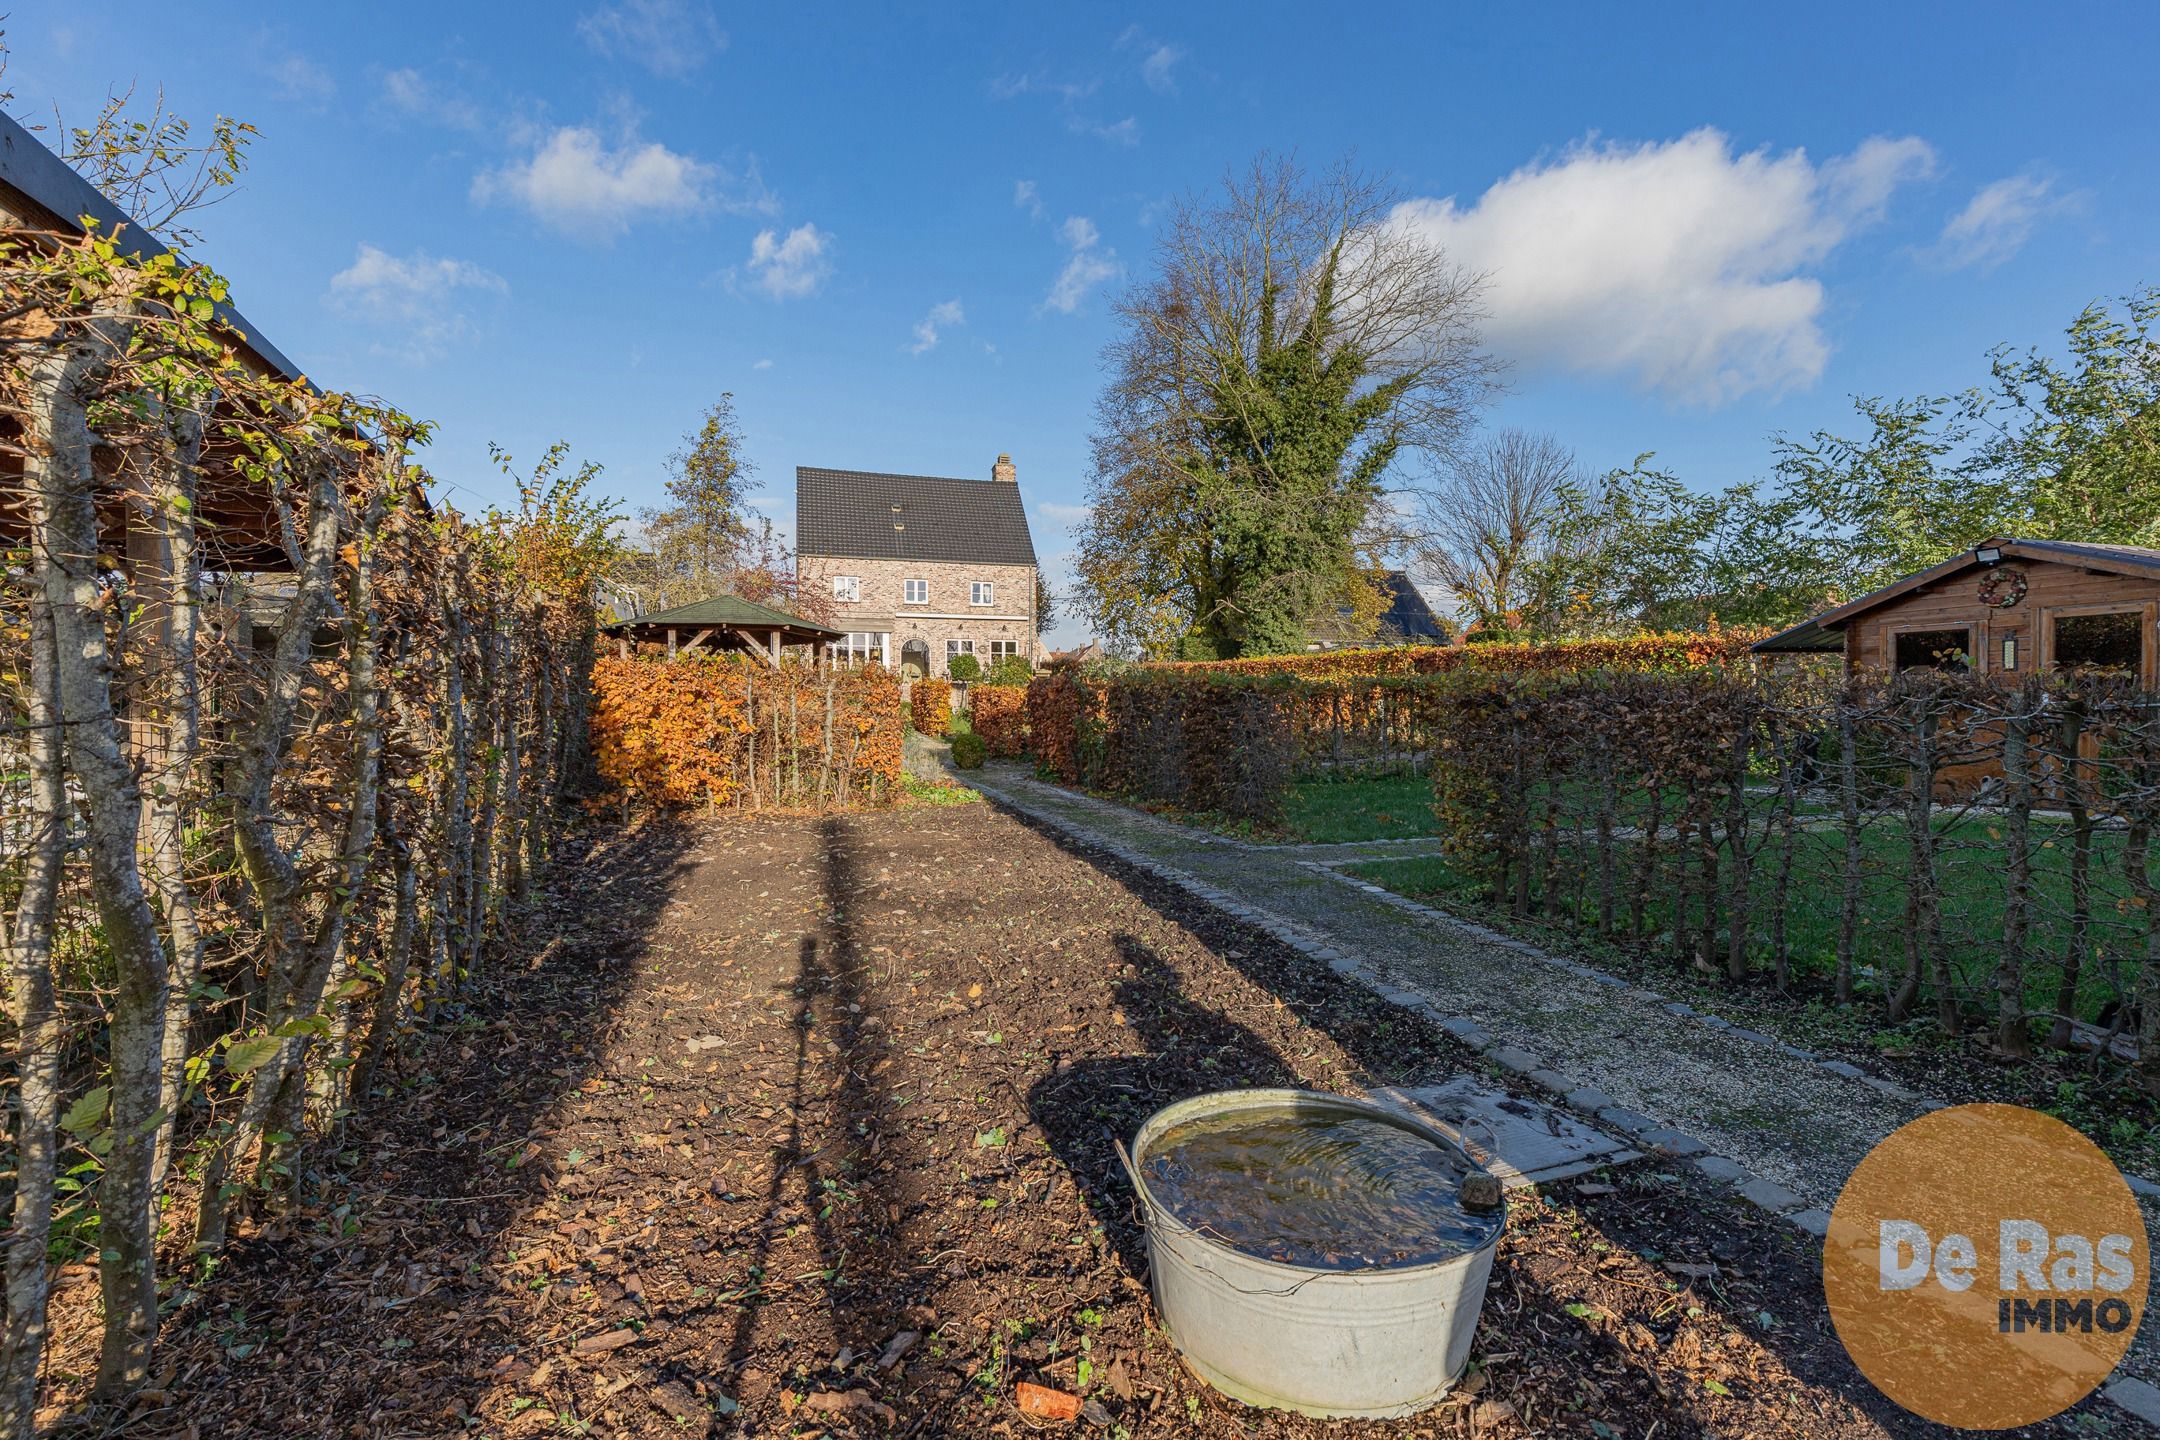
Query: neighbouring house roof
1406,618
861,514
1826,632
730,612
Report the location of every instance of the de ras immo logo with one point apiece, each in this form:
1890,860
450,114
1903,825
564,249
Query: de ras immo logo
1986,1266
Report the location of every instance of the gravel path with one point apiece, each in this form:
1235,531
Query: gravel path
1784,1117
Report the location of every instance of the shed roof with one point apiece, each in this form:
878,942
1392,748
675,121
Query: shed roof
35,174
863,514
725,610
1825,632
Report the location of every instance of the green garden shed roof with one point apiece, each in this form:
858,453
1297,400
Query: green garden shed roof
728,613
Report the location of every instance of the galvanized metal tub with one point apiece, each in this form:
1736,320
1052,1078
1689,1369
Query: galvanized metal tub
1349,1343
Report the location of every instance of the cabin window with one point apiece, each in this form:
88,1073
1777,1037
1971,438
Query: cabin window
915,592
847,588
2114,641
1934,649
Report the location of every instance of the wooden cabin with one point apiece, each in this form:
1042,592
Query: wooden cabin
2004,607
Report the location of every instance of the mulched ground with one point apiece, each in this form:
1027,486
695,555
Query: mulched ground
804,1127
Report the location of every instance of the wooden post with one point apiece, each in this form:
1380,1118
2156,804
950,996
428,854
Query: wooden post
671,644
776,647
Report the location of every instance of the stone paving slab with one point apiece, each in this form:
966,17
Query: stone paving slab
1520,1141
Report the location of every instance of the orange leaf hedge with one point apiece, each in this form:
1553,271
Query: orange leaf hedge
931,708
999,714
1673,650
728,731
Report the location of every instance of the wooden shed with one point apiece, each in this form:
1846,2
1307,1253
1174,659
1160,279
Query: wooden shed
2004,607
725,622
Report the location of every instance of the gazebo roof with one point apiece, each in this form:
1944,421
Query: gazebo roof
730,612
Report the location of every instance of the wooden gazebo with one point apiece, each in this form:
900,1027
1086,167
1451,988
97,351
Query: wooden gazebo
725,622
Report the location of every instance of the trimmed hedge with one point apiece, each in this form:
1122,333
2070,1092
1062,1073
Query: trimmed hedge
931,706
998,713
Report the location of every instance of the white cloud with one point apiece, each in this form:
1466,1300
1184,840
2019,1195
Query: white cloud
1028,198
793,267
1997,221
943,316
1156,69
410,93
1122,132
1679,264
1065,516
418,300
671,38
297,78
765,364
1088,266
577,184
1069,94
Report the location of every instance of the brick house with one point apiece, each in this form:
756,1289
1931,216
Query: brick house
920,568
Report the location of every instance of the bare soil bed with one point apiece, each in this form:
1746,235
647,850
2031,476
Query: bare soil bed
804,1127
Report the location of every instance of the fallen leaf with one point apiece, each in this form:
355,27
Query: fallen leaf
1046,1404
849,1402
601,1344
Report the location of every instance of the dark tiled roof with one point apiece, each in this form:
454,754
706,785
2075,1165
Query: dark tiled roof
863,515
725,610
1407,617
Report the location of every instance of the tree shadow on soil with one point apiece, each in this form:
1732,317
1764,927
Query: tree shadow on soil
1538,1289
1086,1109
841,1045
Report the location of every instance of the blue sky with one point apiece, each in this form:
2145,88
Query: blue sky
892,231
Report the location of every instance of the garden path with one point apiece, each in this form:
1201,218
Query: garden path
1780,1113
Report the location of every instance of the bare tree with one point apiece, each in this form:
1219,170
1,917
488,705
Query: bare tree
1489,527
1291,344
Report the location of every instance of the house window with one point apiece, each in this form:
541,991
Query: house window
847,588
1003,650
860,647
1934,649
958,647
914,592
2114,641
982,592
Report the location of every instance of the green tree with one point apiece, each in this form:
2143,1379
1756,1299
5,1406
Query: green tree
1290,346
698,539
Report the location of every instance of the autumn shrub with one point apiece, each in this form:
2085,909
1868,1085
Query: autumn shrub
932,705
727,731
968,751
964,668
1672,650
998,713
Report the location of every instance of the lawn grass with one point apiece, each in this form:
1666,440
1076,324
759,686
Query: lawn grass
1364,807
1971,873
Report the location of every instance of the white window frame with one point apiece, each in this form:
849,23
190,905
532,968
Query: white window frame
858,648
915,592
847,589
982,592
1001,649
958,647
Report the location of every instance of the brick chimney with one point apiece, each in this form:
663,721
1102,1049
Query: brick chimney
1005,470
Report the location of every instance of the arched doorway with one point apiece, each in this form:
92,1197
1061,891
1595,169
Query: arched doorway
915,659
